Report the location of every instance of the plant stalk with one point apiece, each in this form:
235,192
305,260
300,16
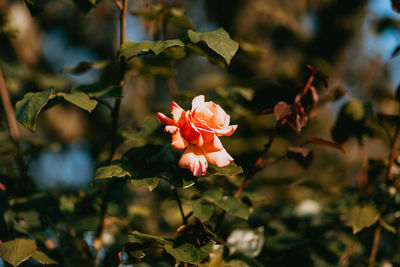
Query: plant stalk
184,218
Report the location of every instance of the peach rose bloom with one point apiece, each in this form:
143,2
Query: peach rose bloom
198,130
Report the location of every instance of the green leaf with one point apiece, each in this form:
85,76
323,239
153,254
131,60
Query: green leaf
150,237
83,67
217,40
79,99
214,194
129,47
112,171
151,183
94,90
360,217
35,7
30,106
203,211
231,169
17,250
234,206
184,253
205,250
204,51
43,258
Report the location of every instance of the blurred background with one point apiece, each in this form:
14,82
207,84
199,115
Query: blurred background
351,41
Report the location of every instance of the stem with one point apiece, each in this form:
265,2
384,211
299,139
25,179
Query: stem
308,84
375,245
114,128
184,218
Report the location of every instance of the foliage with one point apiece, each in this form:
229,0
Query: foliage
312,174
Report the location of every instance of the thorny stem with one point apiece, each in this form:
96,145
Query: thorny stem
114,128
375,245
184,218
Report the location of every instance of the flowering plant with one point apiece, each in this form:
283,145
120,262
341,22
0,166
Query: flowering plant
198,130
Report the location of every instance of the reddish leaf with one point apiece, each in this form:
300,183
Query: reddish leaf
323,142
282,110
314,94
3,187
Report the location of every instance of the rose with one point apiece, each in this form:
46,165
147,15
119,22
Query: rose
198,130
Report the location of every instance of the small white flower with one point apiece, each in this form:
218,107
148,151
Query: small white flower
307,207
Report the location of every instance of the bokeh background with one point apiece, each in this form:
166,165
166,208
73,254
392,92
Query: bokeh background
350,41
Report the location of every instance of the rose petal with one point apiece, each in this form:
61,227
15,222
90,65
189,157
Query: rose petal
164,119
226,131
197,101
216,154
191,133
218,158
194,160
178,141
177,113
171,129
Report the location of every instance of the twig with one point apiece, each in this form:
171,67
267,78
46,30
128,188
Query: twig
375,245
184,218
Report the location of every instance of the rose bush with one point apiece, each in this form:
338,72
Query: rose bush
198,130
